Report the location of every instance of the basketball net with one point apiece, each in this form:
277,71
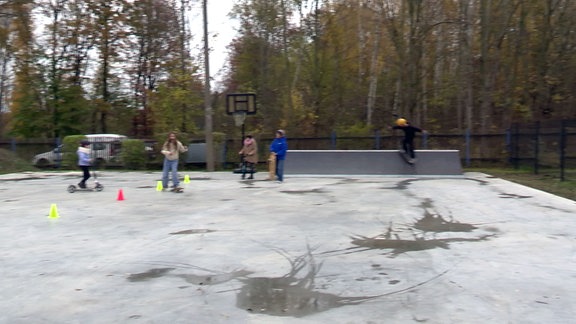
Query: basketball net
239,118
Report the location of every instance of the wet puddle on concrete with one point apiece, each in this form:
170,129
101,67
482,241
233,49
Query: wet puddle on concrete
298,294
193,231
514,196
414,237
213,278
434,222
294,294
400,246
150,274
303,192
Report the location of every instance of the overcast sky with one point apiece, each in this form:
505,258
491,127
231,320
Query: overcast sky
221,31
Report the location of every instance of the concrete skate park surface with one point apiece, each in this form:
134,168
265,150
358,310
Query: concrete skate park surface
315,249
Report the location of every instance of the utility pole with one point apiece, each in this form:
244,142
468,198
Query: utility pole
209,137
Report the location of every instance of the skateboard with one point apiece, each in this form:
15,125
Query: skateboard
97,187
272,167
405,157
177,190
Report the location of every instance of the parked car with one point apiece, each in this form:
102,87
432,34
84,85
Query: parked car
105,150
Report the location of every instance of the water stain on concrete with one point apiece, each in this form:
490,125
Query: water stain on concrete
200,178
399,246
401,185
436,223
289,297
404,184
193,231
150,274
213,279
515,196
303,192
391,240
22,179
295,294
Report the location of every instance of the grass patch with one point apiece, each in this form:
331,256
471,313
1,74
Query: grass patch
11,163
546,180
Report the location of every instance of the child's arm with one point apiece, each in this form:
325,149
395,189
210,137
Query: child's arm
182,148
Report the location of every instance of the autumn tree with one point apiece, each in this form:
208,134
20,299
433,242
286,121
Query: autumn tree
6,19
29,115
163,76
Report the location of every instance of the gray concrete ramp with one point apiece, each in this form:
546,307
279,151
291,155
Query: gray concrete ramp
372,162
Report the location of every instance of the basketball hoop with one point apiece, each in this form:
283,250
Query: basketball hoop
239,118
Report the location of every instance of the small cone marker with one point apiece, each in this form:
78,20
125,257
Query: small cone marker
186,179
53,212
159,186
120,195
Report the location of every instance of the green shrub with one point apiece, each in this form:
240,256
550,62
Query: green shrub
133,154
10,162
69,156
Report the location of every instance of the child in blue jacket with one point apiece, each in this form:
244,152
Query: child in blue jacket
279,147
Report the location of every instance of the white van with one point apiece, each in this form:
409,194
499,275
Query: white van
105,150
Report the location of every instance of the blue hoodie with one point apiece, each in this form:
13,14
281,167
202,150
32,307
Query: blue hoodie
279,146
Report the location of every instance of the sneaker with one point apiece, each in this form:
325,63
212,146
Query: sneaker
82,185
278,181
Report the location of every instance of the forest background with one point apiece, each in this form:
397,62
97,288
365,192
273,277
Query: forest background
317,66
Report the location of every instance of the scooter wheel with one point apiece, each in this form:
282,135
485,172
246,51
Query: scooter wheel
99,187
71,188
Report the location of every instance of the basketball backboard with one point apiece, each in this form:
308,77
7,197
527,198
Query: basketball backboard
241,102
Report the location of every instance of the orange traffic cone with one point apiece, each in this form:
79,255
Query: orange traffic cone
120,195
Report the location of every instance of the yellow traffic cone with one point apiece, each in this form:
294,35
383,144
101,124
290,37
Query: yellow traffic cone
186,179
159,186
53,212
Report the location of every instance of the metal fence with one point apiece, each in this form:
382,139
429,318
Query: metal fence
474,149
548,147
544,147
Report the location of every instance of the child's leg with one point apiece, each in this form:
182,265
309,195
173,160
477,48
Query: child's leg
410,150
85,176
280,170
251,167
175,179
405,146
165,170
86,173
243,167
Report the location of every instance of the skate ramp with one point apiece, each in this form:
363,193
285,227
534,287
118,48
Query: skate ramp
371,162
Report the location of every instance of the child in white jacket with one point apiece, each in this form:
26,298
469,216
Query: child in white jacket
84,161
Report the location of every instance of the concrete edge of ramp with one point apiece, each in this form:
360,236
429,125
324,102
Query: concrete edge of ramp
372,162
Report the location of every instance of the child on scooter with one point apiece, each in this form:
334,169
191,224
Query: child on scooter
84,162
